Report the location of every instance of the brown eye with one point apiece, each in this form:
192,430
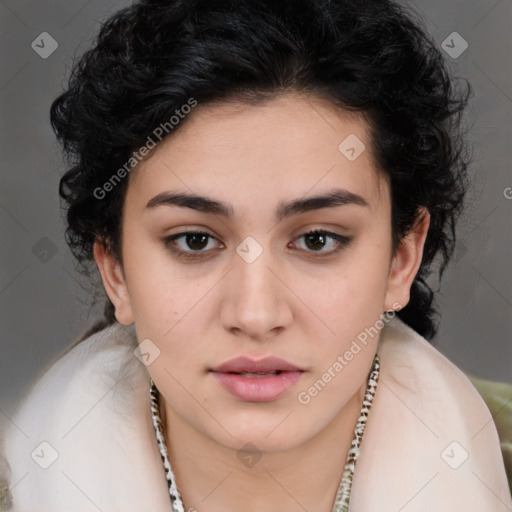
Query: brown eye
189,242
196,241
316,240
194,244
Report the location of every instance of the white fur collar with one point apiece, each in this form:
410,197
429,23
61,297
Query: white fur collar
92,408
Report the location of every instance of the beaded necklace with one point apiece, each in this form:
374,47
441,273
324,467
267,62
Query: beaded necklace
343,494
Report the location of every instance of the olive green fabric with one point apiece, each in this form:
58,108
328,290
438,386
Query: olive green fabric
498,397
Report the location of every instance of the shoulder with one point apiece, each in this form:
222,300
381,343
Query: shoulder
430,429
97,363
65,436
421,372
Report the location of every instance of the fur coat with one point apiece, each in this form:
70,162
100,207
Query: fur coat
83,438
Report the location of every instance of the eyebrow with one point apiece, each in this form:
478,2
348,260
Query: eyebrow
330,199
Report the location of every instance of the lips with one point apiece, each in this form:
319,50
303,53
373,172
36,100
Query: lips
247,365
261,380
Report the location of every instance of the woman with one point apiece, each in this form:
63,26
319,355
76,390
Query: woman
263,187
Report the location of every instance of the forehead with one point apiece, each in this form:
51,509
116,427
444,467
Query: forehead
290,146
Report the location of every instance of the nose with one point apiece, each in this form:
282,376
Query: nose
257,302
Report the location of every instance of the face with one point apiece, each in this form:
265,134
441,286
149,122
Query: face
255,282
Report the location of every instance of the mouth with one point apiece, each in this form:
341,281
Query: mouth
262,380
248,374
246,365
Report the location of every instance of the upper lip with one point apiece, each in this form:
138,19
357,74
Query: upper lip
248,365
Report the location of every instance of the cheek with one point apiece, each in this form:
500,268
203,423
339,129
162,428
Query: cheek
155,284
159,293
162,306
169,311
347,297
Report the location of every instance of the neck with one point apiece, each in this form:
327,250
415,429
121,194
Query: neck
212,478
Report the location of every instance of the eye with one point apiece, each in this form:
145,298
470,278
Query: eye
195,240
317,240
195,243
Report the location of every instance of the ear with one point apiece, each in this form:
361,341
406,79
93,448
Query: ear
114,282
406,263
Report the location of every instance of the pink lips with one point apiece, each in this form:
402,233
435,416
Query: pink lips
275,377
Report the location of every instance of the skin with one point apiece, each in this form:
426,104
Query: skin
290,302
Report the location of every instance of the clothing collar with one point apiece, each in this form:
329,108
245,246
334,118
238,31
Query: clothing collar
429,443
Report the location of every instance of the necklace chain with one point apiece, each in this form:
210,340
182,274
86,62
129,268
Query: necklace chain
343,494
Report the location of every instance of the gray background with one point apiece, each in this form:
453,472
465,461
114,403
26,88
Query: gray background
43,304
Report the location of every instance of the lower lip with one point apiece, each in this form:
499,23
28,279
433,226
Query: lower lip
258,389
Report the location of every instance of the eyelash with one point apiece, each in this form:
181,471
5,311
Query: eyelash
343,241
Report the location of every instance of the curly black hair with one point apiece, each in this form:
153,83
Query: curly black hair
373,57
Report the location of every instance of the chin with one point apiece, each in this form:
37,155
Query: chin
267,434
